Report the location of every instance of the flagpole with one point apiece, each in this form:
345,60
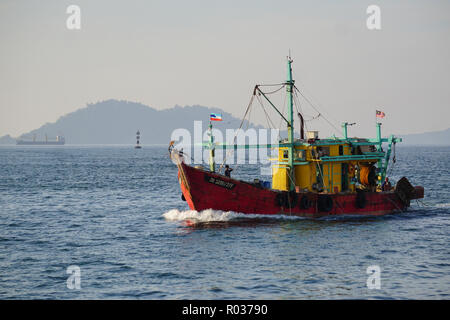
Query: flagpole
212,164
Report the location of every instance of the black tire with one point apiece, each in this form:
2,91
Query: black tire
291,199
280,200
324,203
286,199
361,200
305,203
372,176
405,191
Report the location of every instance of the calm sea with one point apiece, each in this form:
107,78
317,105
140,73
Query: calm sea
116,214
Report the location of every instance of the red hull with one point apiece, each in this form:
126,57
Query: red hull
205,190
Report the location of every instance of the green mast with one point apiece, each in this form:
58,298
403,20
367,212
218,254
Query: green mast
289,89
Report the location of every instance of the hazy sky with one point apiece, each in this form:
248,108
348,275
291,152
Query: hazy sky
212,53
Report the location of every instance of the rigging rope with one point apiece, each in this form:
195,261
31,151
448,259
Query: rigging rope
314,118
297,101
300,117
271,85
265,112
310,103
314,98
236,132
274,91
394,160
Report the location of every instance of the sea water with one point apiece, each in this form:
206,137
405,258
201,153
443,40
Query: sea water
115,215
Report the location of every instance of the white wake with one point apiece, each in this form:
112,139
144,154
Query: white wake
211,215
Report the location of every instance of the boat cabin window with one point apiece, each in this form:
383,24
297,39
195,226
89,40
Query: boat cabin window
301,154
285,154
341,150
368,149
322,151
356,150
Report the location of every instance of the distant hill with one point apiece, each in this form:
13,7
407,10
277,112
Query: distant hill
427,138
116,122
7,140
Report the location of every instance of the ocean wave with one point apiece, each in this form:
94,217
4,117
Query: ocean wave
442,205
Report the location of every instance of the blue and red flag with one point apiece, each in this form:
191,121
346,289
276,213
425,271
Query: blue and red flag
215,117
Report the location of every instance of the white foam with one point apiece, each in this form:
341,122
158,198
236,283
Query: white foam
442,205
211,215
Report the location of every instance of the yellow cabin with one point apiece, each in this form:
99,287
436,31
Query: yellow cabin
322,167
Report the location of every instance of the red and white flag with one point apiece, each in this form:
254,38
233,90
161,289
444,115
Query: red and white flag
380,114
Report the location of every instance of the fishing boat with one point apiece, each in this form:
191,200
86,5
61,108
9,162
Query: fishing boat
311,177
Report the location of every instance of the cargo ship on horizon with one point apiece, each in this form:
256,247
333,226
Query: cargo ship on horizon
60,140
